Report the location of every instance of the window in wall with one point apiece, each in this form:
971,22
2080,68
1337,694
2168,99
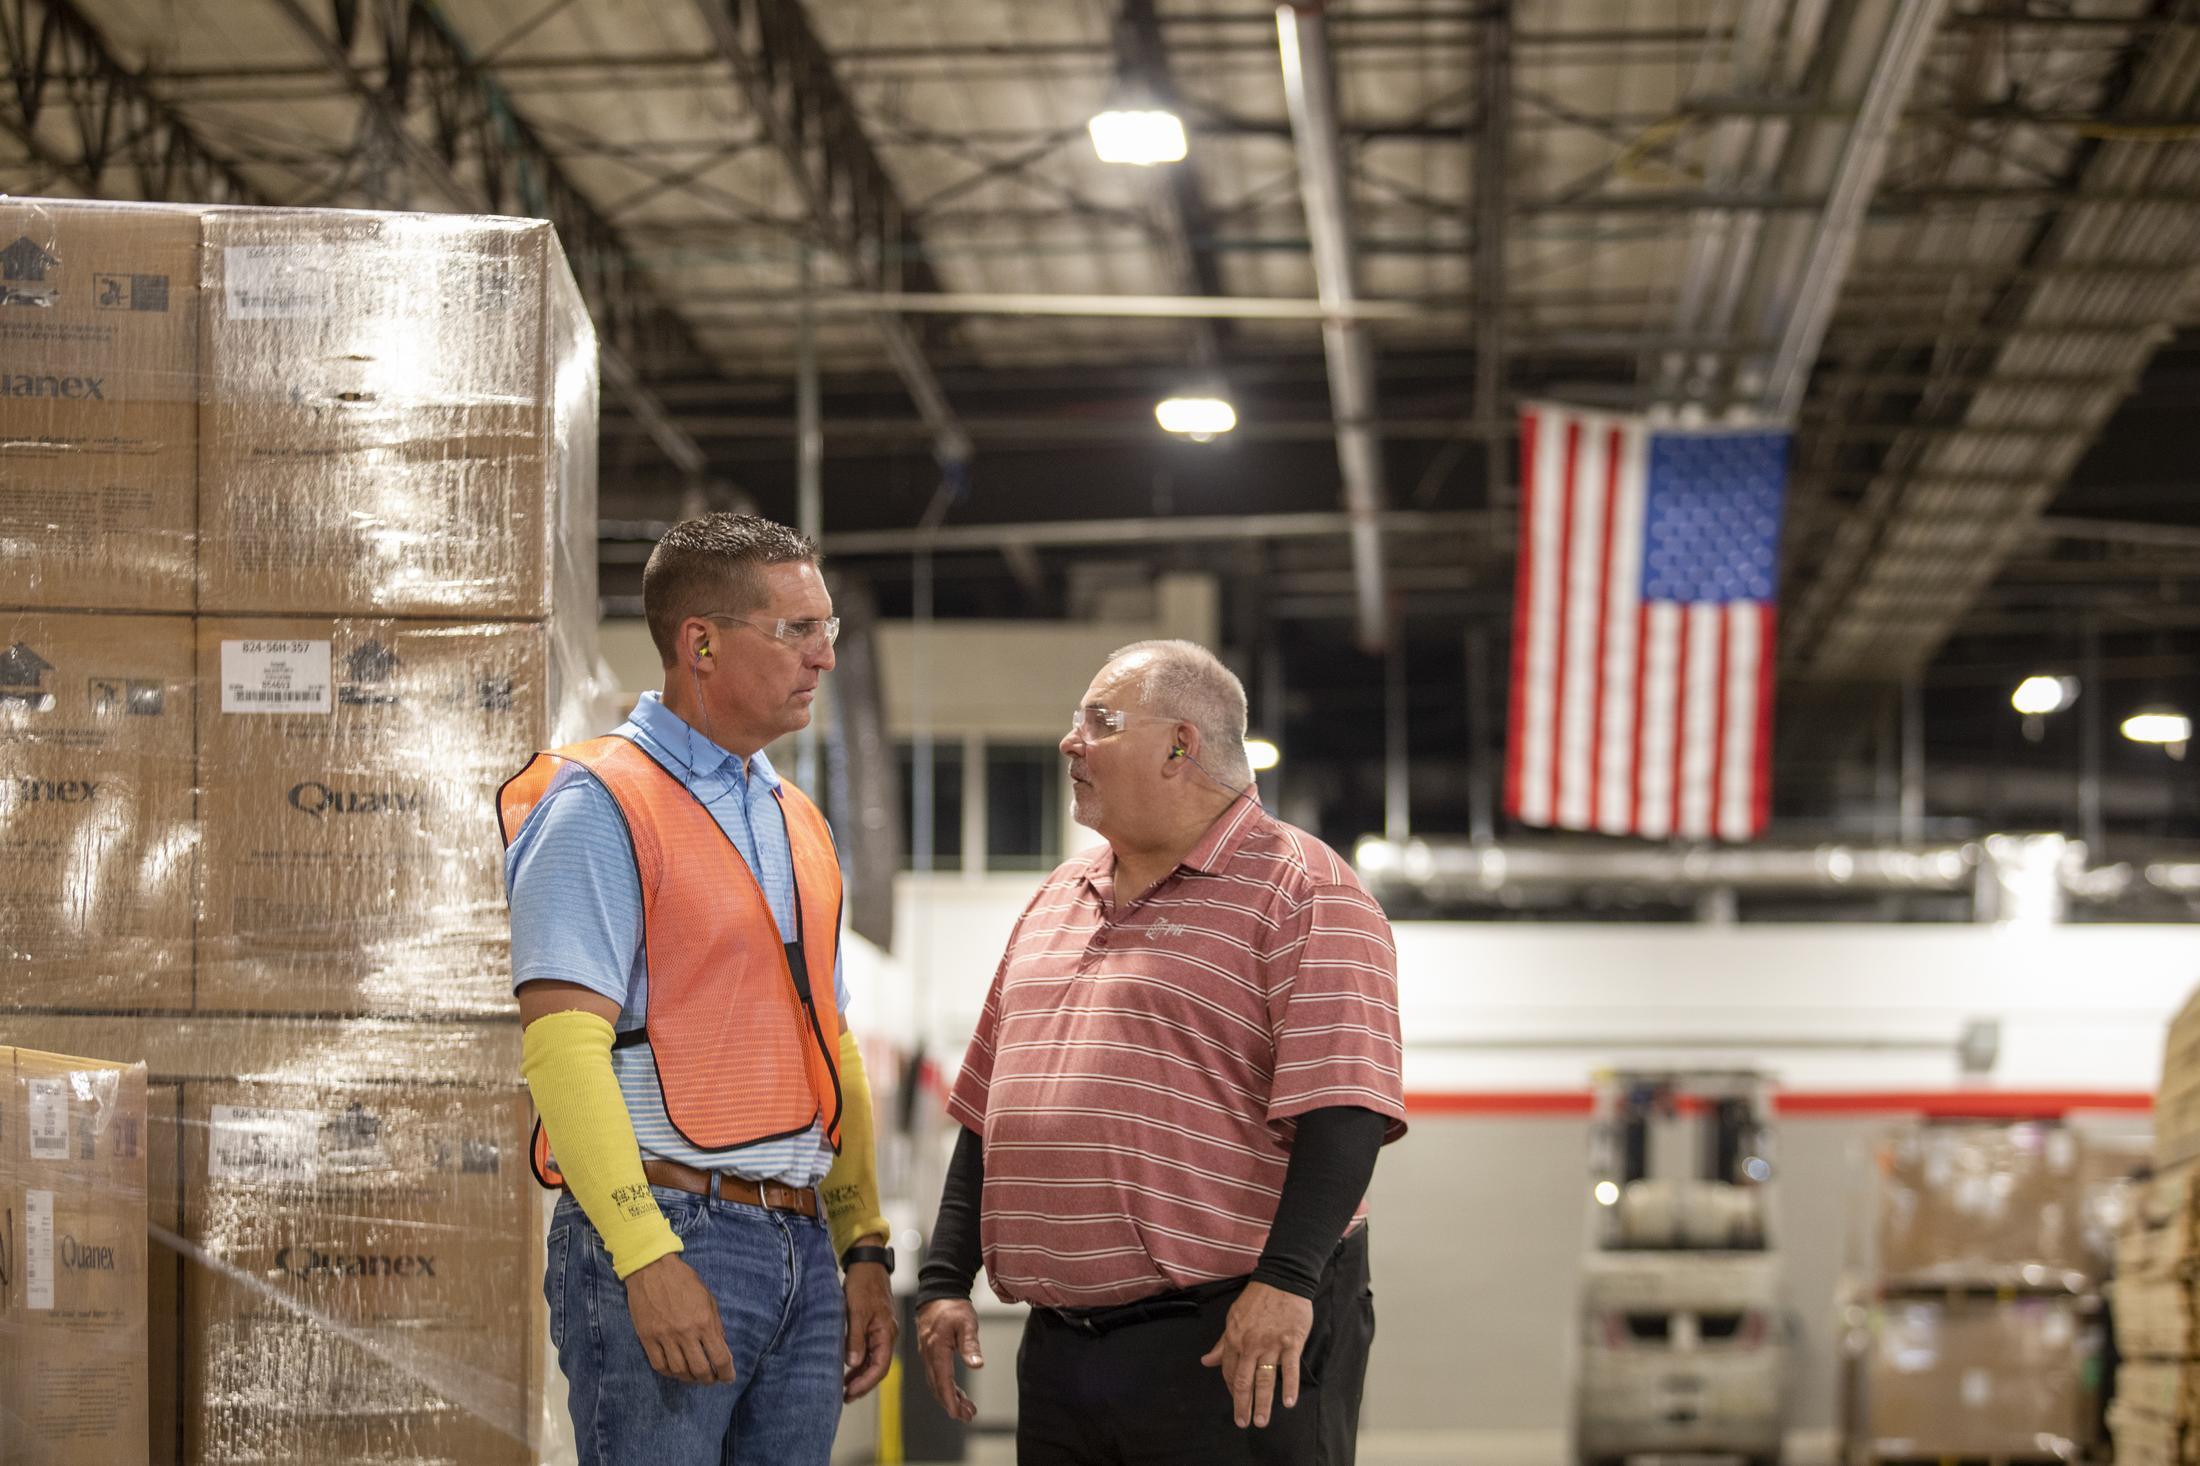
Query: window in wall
1023,806
947,804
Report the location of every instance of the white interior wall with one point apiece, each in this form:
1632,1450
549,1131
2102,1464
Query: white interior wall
1530,1006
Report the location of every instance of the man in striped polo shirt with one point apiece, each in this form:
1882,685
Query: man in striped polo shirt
1171,1108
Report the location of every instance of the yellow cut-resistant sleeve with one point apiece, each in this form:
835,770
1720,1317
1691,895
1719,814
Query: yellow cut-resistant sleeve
566,1060
851,1186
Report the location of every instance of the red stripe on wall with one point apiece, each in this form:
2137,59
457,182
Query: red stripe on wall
1500,1102
1943,1104
1961,1104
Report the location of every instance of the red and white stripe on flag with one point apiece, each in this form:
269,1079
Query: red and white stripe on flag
1631,713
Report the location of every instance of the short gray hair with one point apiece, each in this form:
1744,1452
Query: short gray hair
1185,681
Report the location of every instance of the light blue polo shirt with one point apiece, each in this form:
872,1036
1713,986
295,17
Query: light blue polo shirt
577,915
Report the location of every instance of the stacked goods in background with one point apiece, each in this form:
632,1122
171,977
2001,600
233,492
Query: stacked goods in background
248,830
2155,1417
1977,1330
2177,1102
73,1279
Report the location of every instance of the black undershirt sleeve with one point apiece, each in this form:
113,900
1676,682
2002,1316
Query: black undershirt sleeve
1332,1160
951,1263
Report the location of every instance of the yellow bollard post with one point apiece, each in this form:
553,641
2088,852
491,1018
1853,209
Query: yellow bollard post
889,1416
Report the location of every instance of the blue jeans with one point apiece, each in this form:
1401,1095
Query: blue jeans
778,1290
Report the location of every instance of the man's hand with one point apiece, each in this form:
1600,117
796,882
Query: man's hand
677,1320
947,1327
1260,1346
872,1327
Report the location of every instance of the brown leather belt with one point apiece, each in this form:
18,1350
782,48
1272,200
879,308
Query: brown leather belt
769,1194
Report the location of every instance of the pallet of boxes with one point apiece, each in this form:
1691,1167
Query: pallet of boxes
297,524
1974,1330
2155,1297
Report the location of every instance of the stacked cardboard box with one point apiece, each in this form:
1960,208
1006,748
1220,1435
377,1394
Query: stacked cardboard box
1974,1334
96,804
2155,1417
99,411
339,479
73,1354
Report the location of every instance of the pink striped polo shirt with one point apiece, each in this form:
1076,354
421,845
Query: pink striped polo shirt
1135,1074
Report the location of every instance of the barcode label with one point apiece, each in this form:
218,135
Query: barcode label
263,1147
38,1249
49,1119
276,677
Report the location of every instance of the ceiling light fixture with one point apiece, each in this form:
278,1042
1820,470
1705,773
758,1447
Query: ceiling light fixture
1138,136
2171,729
2038,696
1261,755
1198,418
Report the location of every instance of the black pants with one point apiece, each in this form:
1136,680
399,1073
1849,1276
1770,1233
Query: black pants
1137,1395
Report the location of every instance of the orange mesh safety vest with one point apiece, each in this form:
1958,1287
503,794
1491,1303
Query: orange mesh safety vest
742,1024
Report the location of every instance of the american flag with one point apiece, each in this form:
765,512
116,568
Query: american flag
1643,621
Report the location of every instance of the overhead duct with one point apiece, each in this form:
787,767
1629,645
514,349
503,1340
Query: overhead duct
1310,92
2027,878
1460,870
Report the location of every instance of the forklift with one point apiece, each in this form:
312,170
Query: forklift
1683,1344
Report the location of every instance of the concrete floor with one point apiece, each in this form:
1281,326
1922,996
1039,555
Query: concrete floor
1463,1448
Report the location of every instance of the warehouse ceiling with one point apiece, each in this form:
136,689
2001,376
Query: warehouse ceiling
1957,240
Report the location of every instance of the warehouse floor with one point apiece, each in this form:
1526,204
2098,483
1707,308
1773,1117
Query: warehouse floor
1462,1448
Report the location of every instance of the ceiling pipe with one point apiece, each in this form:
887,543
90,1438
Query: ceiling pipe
1460,869
2024,878
1308,85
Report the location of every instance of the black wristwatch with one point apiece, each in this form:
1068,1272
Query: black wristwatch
883,1256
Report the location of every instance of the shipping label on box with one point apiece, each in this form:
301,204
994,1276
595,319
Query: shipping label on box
96,806
351,856
99,320
275,677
